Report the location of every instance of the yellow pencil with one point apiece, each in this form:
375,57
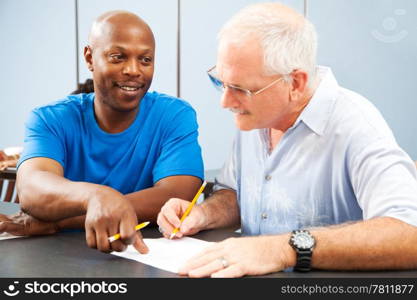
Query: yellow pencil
137,227
189,208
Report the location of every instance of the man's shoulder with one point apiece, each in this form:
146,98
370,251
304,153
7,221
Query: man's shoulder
163,101
69,104
358,109
358,119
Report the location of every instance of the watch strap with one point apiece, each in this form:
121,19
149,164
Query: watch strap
303,260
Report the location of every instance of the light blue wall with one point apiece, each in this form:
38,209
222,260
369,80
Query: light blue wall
38,51
37,40
371,46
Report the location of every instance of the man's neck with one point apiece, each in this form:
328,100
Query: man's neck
111,120
275,133
274,136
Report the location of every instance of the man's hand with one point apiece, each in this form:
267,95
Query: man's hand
108,213
7,161
236,257
172,211
24,225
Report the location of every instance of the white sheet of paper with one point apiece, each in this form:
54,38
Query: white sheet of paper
5,236
166,254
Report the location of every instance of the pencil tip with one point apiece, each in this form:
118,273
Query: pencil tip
171,236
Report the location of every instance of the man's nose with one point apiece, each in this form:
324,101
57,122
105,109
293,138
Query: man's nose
132,68
228,99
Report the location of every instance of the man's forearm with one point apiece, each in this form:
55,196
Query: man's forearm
72,223
148,202
221,210
50,197
376,244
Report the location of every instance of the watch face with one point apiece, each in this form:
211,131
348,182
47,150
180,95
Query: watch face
303,240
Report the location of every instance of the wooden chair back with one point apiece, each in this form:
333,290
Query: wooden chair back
7,186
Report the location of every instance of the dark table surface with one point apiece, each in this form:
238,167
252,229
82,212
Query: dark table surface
67,255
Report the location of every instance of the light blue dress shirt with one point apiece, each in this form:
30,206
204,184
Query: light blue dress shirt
339,162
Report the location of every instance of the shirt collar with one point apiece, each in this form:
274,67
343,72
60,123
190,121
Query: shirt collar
317,112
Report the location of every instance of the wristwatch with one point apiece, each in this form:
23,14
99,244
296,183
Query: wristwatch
303,243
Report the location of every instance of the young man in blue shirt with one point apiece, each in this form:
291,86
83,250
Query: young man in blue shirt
106,160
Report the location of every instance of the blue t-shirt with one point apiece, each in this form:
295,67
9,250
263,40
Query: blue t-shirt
161,142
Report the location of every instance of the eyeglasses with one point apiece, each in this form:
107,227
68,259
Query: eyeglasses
221,86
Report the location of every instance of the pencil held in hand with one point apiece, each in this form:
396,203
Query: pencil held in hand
189,208
137,227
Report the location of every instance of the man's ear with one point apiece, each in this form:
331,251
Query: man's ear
88,56
298,84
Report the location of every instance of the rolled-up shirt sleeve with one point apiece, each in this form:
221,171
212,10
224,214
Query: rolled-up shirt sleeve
384,179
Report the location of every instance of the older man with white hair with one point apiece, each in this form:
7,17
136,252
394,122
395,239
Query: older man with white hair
315,176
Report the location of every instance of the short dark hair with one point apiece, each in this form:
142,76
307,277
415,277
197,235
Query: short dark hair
86,87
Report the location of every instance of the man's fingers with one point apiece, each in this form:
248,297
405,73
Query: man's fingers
172,212
189,225
127,229
12,228
170,218
90,236
207,269
232,271
103,243
4,218
202,258
3,155
117,245
139,244
164,226
196,262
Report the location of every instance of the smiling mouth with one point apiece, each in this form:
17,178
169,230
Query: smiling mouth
238,111
130,88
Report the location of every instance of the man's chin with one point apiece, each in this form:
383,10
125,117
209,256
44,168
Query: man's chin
126,102
244,126
124,105
243,123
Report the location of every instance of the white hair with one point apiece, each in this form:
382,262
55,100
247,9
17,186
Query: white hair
288,40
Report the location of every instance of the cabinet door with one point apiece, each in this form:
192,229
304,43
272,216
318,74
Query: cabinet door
161,16
38,59
200,21
372,48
